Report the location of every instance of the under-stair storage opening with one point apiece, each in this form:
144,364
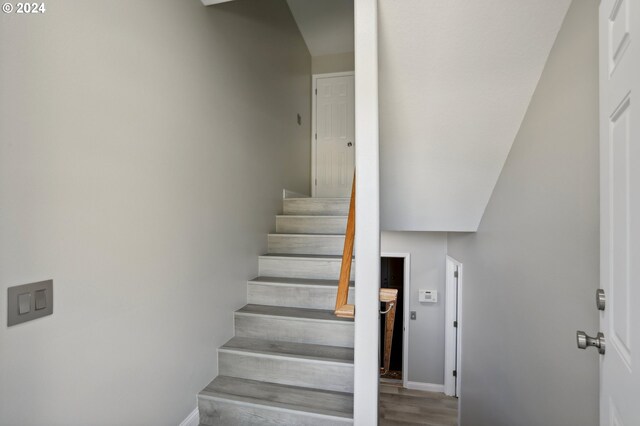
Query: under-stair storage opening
392,341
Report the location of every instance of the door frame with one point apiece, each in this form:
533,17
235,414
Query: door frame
314,94
453,341
406,290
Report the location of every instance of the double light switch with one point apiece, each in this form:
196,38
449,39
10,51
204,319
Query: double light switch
29,301
24,301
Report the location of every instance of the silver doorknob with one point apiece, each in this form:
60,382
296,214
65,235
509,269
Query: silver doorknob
349,144
584,341
601,299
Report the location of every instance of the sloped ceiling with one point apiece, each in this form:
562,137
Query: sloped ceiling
456,78
326,25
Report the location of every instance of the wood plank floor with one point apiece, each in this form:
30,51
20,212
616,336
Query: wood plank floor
399,406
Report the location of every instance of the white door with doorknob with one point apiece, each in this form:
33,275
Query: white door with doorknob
334,135
620,213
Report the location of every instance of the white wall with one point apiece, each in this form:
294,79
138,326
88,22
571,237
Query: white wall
324,64
456,78
144,146
531,270
426,334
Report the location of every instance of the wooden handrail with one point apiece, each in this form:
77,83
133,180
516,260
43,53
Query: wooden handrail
387,296
344,310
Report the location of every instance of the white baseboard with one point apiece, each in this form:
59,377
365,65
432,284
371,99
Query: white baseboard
193,419
429,387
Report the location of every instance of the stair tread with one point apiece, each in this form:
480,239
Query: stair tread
320,199
305,256
291,234
308,351
311,282
319,216
323,402
298,313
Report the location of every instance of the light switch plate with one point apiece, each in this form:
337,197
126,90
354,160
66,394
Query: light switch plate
413,315
38,296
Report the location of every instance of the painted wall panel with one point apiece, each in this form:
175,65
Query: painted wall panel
455,82
532,269
143,150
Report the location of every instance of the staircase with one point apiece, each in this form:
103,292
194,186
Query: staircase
291,360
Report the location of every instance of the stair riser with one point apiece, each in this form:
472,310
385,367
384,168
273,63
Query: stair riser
331,333
215,412
311,225
328,269
287,371
306,244
316,206
295,296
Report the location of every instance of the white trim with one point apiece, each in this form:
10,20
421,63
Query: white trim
429,387
193,419
460,325
453,312
406,291
314,87
367,241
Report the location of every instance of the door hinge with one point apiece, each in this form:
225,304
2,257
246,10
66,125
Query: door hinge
455,274
316,182
455,373
316,91
316,136
455,324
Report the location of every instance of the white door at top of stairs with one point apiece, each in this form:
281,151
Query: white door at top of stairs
333,135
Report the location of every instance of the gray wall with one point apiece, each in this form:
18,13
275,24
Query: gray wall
144,146
531,270
428,267
340,62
